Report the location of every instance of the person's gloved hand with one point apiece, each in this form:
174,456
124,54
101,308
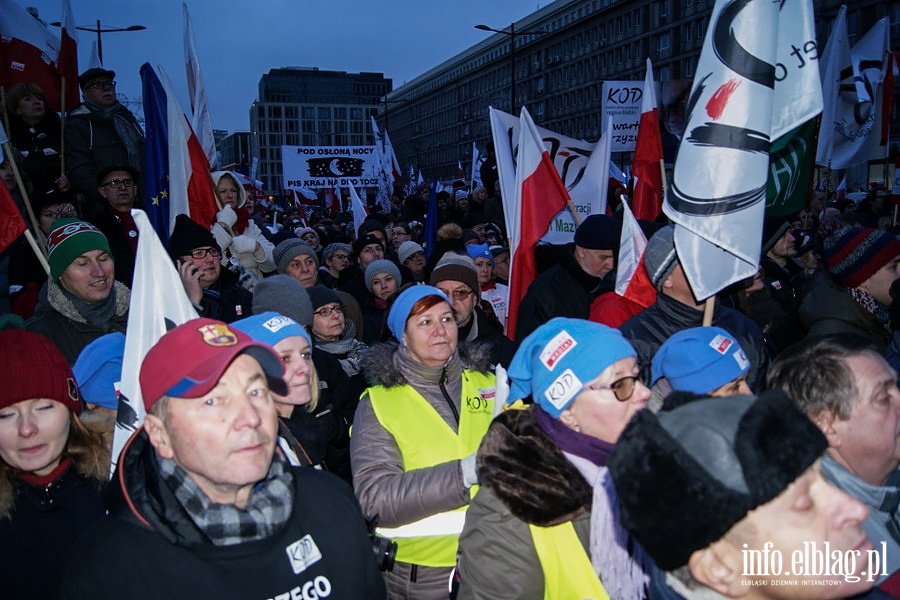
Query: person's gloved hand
241,244
895,305
469,470
223,238
227,216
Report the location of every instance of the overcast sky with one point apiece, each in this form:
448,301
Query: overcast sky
240,40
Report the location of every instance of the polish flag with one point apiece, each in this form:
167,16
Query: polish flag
28,52
632,281
648,190
540,194
12,225
67,65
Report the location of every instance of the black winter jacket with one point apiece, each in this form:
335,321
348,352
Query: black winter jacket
149,548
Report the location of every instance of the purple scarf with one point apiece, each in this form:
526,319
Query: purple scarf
571,441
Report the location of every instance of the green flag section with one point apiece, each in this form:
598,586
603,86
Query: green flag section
790,170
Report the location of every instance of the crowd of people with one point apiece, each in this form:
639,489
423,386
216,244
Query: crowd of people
350,398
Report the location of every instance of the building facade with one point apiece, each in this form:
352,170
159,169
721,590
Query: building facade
310,107
562,54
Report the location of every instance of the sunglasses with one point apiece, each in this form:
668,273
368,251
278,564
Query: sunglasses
623,388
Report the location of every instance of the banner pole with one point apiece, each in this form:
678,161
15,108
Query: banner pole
708,308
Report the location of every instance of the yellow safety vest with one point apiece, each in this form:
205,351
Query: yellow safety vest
568,572
425,440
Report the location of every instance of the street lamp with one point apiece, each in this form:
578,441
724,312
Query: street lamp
512,56
100,29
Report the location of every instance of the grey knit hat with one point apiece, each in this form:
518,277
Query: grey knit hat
407,249
660,258
456,267
381,265
285,252
284,295
331,249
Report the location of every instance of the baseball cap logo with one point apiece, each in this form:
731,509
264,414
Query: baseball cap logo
218,335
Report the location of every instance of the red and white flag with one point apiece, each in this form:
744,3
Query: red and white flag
158,303
67,65
201,122
632,281
28,52
648,155
12,225
540,194
190,187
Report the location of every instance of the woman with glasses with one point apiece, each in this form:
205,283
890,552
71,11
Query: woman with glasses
414,439
215,292
543,523
335,258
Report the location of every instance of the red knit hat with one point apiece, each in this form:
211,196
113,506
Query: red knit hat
854,254
34,368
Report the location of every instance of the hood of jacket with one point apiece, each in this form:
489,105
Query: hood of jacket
381,368
52,299
522,466
242,193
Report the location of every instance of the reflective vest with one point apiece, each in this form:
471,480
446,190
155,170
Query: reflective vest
425,439
568,572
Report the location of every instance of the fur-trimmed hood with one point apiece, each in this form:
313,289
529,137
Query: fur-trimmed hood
522,466
380,368
52,299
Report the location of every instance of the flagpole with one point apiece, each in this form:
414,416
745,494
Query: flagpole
708,308
62,127
37,251
12,161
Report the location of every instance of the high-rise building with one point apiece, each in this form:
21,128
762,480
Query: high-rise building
302,106
561,54
234,151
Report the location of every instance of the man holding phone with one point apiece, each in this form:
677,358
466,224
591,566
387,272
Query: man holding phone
215,292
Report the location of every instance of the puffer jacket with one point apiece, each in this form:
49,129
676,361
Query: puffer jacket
829,308
57,319
649,329
381,485
148,547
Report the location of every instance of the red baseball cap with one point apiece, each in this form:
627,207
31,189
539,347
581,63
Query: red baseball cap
188,361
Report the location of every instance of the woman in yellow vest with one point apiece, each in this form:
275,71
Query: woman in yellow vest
414,439
542,525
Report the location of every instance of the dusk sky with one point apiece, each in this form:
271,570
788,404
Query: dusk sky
240,40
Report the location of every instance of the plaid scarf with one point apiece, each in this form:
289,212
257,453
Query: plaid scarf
269,507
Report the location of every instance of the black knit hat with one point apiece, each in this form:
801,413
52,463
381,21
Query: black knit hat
188,235
361,242
686,476
773,229
599,232
321,295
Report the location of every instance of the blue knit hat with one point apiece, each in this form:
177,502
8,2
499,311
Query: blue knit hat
560,357
700,360
98,368
400,309
480,251
270,328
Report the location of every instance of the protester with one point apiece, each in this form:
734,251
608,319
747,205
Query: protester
352,279
706,483
215,292
336,258
414,439
204,506
543,525
100,133
383,281
411,257
677,309
52,467
706,361
492,292
846,388
236,233
118,186
863,263
82,300
36,133
778,250
568,287
295,258
501,264
334,333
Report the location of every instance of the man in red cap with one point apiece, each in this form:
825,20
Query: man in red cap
203,504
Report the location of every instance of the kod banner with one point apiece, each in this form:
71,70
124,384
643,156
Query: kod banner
329,166
621,102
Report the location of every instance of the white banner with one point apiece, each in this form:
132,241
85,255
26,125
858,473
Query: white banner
621,102
328,166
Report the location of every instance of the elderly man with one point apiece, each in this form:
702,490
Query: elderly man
677,308
118,186
567,288
727,496
100,133
850,392
204,506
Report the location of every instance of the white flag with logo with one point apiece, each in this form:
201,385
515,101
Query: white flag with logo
747,91
158,303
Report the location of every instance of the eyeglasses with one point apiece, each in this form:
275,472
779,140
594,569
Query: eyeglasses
326,311
340,256
63,211
458,294
200,253
101,85
621,388
116,183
